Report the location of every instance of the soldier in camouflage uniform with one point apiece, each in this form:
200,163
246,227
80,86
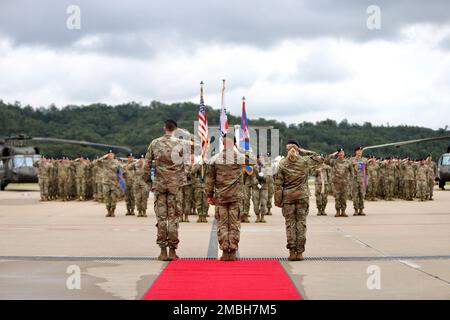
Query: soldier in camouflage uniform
188,192
322,175
390,171
129,183
43,168
63,177
433,173
408,178
80,167
168,153
382,179
223,187
359,184
111,168
98,180
342,176
292,195
140,186
198,176
260,191
246,196
269,170
372,179
422,180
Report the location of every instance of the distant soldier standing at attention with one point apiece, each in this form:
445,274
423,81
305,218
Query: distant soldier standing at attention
168,154
292,195
342,175
322,174
140,186
260,191
110,168
198,176
223,187
129,181
43,167
269,169
422,180
372,180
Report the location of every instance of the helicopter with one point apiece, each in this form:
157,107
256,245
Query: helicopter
17,157
443,162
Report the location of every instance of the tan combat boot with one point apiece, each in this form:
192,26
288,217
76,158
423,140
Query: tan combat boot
361,212
269,212
224,256
292,255
299,256
343,214
186,218
163,255
258,218
232,255
262,220
356,212
338,213
172,255
144,214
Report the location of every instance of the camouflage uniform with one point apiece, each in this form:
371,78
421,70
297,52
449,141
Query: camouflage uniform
224,182
187,195
260,192
359,183
433,172
269,173
389,180
372,180
291,193
200,198
129,189
98,180
382,180
408,180
322,174
422,181
140,187
246,196
43,168
110,169
169,178
80,179
342,175
63,177
53,184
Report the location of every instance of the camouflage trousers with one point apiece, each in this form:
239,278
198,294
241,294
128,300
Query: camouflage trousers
63,188
140,193
168,209
246,195
295,214
110,195
259,197
229,225
321,197
340,196
129,196
187,199
81,187
99,191
430,188
358,194
271,190
389,188
201,201
43,187
422,189
371,189
409,187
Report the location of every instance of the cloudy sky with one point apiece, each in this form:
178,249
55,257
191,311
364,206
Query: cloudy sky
293,60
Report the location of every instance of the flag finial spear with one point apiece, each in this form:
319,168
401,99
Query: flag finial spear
243,98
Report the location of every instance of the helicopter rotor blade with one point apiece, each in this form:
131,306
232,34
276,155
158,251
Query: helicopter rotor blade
403,143
83,143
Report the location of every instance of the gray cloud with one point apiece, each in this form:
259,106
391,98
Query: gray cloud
139,27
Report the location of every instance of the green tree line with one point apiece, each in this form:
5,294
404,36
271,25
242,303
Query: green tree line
135,125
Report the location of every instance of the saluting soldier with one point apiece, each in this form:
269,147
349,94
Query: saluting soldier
292,195
168,154
260,191
359,181
111,168
322,182
342,175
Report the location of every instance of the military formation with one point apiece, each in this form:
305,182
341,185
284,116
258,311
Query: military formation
229,181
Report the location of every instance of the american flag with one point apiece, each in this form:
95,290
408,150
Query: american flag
223,118
203,122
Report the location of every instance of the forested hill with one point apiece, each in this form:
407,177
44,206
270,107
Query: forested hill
135,125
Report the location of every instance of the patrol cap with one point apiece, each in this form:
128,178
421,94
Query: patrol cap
292,141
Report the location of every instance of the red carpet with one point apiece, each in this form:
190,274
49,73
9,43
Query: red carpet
219,280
